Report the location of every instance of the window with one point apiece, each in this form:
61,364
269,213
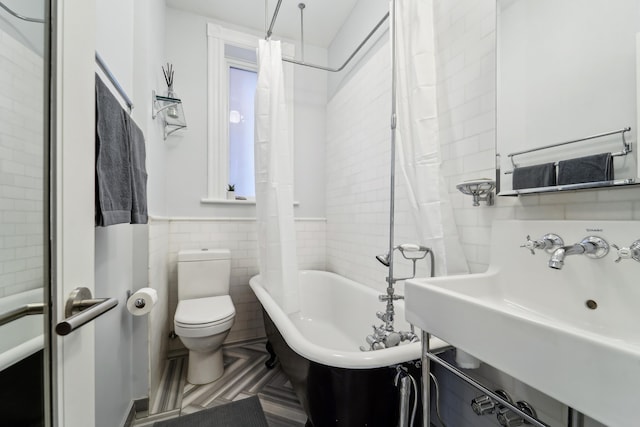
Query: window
242,88
232,79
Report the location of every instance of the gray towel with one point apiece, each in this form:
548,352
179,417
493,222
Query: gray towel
598,167
534,176
138,173
113,174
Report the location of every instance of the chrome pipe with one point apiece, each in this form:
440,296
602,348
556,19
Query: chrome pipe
392,177
103,66
426,377
273,20
626,146
335,70
405,394
301,6
20,312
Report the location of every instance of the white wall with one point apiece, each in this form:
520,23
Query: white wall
186,173
549,104
362,19
151,242
193,224
114,245
159,321
127,35
357,175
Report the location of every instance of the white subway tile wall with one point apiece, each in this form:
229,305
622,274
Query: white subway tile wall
21,175
465,37
466,58
357,177
240,236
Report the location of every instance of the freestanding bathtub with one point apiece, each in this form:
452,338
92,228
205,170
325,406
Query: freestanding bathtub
318,348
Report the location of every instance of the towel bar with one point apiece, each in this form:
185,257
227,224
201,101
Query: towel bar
625,150
103,66
616,154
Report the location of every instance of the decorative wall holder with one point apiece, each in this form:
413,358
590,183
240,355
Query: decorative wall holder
169,106
171,112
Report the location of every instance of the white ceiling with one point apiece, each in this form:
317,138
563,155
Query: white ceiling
322,18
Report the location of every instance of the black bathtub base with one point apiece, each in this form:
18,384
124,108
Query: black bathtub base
342,397
273,358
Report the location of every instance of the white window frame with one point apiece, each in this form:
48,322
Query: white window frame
218,102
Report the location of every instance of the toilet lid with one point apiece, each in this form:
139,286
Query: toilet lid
199,311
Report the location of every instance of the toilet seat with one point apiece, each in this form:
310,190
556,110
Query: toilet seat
201,317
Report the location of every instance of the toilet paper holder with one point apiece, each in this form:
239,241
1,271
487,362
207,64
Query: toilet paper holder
142,301
139,303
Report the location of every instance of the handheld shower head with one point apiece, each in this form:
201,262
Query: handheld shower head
384,259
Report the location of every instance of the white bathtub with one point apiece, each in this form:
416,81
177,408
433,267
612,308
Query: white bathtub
23,337
335,316
319,351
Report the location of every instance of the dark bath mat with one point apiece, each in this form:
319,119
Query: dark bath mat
241,413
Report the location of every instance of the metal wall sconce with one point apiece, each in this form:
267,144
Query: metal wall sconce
480,189
171,112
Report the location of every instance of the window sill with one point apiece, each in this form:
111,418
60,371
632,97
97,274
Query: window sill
207,201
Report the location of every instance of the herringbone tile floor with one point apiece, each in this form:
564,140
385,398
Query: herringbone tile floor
245,375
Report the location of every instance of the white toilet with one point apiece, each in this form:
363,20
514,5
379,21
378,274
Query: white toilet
205,311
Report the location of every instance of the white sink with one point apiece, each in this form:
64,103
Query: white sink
539,325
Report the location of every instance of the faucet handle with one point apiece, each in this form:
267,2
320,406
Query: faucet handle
632,252
482,405
549,242
529,244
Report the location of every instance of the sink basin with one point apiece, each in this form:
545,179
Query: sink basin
573,334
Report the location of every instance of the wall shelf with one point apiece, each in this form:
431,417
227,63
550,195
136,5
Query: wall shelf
171,112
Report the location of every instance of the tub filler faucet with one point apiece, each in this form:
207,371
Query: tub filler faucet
591,246
384,336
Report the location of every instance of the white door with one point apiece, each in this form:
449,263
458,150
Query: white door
72,226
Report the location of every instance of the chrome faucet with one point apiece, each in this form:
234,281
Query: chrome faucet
549,243
382,338
384,335
591,246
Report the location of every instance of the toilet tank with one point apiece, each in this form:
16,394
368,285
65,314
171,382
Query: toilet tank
203,273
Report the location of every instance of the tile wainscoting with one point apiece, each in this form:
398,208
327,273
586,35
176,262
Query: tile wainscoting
240,236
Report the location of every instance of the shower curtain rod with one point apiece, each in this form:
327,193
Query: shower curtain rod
17,15
321,67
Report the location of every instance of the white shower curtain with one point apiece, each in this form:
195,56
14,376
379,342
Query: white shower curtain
274,181
417,136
